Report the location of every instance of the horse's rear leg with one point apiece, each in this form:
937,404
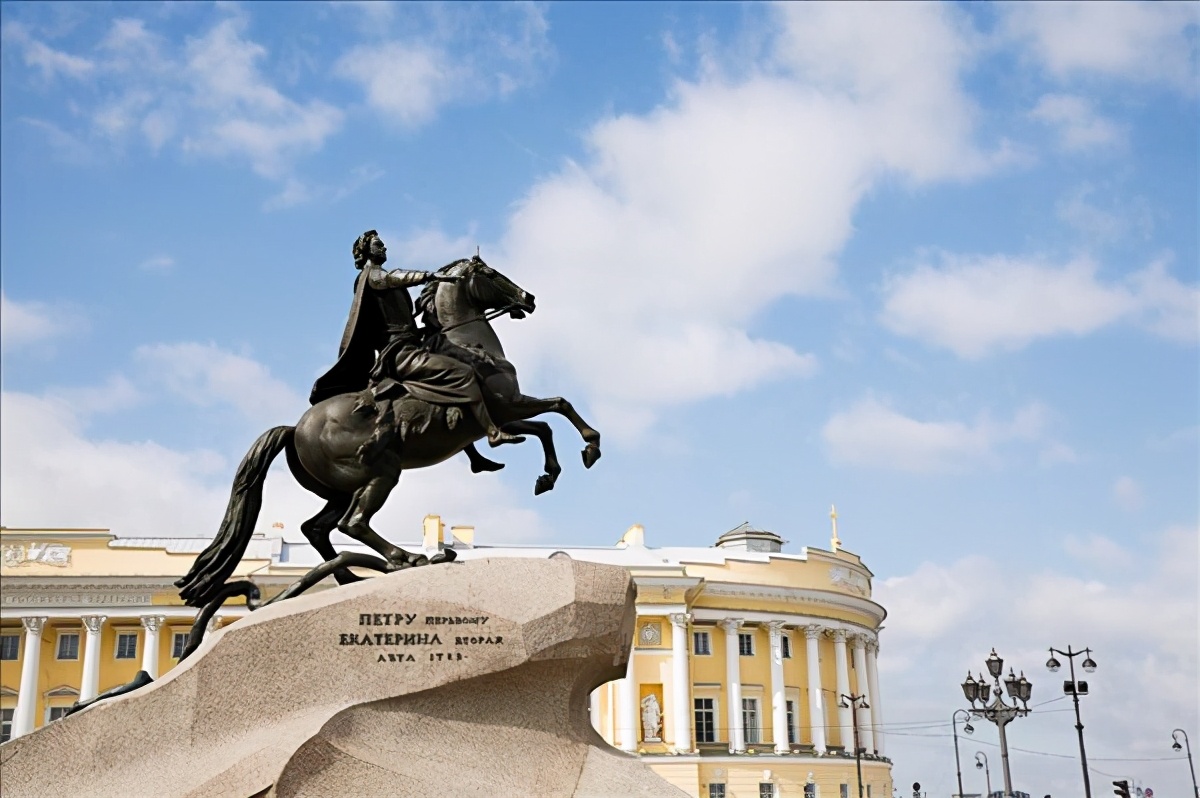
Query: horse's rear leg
317,530
367,500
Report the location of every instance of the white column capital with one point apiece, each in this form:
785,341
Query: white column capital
775,629
33,623
731,625
837,635
153,622
873,645
681,619
813,631
859,640
93,623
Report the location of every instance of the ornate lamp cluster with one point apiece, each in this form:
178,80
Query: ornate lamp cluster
979,693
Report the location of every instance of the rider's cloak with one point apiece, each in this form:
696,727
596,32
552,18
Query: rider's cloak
382,320
356,353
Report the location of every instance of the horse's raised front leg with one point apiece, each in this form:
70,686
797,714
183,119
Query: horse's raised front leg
544,434
526,406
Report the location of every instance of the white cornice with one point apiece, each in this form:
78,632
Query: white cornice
796,595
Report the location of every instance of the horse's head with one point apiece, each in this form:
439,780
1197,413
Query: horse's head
475,284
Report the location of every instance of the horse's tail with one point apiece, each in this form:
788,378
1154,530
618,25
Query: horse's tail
217,562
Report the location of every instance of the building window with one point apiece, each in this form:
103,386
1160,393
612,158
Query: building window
785,645
10,645
810,790
716,791
791,722
127,645
702,644
178,644
6,717
868,791
746,644
706,721
766,789
750,720
56,713
68,645
845,791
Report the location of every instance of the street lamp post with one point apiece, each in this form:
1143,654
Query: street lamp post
1175,736
855,703
1075,689
968,729
998,712
982,764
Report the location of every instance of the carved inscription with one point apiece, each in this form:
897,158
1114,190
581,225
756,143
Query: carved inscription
412,637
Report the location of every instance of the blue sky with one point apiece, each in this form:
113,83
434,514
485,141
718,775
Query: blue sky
936,264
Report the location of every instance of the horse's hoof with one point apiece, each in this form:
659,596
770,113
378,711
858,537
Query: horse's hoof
445,555
544,483
591,453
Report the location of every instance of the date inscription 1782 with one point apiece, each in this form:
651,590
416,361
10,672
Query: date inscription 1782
406,630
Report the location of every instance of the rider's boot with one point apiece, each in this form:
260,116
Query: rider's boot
495,435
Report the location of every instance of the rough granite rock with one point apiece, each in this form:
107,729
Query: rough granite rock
466,679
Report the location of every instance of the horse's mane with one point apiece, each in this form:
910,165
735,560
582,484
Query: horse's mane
426,304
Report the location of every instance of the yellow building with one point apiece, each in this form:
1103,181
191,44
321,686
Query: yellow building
734,689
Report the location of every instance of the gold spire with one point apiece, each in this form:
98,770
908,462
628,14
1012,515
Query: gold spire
835,542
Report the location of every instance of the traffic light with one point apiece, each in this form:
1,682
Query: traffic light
1121,788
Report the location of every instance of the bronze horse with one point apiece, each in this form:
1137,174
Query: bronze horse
322,448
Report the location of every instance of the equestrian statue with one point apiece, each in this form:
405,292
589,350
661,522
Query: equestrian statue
400,396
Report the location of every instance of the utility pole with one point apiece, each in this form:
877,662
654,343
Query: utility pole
856,702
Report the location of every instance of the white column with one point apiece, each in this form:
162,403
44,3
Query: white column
151,623
27,695
816,699
876,701
845,719
681,686
626,732
778,694
733,674
90,685
594,709
865,726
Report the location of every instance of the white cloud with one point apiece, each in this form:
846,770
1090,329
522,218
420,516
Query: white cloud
1105,219
685,223
430,248
1139,617
37,54
1127,493
1097,551
22,323
54,475
1079,126
465,56
871,433
28,324
204,374
207,95
1141,42
974,305
157,264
